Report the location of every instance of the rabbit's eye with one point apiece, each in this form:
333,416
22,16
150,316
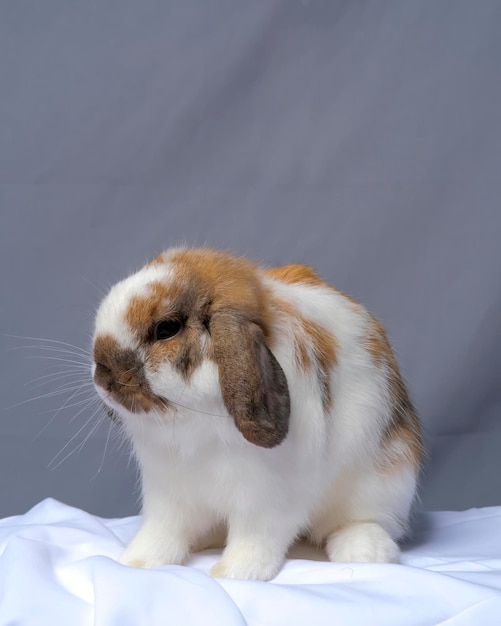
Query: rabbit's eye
167,329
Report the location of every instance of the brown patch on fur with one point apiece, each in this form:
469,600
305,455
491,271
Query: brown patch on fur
177,301
314,347
296,273
404,426
121,374
229,283
184,351
303,274
378,345
302,353
145,310
324,350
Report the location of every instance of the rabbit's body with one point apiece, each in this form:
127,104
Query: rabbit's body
324,441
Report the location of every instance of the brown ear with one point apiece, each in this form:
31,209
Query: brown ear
253,384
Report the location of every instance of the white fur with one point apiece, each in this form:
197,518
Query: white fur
110,317
198,472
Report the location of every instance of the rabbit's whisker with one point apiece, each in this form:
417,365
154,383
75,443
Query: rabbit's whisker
89,420
53,341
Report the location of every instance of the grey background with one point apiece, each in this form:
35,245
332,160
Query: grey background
361,137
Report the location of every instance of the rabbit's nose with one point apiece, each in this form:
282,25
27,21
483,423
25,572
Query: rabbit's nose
103,376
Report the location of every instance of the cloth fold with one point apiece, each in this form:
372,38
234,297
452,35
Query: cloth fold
58,565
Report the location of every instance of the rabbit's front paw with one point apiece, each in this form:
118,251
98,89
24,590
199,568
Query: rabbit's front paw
153,548
247,563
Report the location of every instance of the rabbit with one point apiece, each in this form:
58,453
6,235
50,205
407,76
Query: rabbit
262,406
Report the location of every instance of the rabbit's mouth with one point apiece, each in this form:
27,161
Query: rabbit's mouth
120,380
119,399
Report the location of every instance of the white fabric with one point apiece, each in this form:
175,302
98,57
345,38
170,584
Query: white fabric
58,566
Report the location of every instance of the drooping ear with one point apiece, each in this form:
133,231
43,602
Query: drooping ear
253,384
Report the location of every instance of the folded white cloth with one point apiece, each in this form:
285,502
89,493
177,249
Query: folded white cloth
58,565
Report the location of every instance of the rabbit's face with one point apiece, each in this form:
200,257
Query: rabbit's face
189,329
150,338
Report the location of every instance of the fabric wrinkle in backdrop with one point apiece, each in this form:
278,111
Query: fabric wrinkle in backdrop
363,138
